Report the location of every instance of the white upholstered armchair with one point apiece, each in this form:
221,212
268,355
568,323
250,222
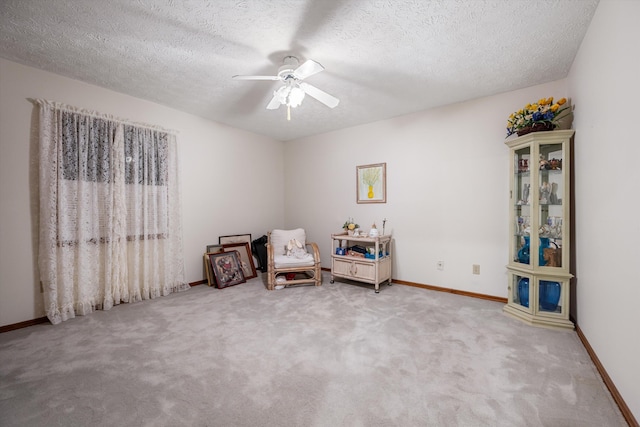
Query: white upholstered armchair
290,256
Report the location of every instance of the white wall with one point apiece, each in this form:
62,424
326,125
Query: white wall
224,178
604,85
447,185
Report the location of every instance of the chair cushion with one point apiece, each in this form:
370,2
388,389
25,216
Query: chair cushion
283,261
280,239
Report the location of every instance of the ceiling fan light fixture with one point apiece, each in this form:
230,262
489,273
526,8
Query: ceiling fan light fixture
281,94
289,95
296,95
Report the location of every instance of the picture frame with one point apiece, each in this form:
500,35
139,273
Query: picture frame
207,272
214,249
211,279
371,183
226,269
235,238
246,258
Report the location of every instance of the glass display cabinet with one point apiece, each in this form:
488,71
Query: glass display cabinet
539,251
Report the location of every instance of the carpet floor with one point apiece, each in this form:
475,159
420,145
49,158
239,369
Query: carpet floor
336,355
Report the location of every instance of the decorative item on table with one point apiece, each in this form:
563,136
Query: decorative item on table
349,226
374,231
371,253
540,116
357,251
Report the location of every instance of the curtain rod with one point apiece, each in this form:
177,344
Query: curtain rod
72,109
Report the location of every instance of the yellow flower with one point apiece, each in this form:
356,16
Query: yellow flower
542,101
534,106
351,226
555,107
550,101
562,101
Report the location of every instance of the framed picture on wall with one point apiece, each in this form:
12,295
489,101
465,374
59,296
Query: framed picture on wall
371,183
246,259
227,269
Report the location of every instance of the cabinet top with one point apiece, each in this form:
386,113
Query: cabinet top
551,136
345,236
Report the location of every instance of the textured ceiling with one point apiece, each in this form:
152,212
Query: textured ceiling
383,58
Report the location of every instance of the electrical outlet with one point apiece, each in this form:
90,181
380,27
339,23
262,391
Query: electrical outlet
440,265
476,268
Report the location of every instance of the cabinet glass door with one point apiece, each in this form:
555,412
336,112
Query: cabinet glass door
551,211
520,293
522,204
551,296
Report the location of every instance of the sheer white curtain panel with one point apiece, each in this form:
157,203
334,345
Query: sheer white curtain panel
110,212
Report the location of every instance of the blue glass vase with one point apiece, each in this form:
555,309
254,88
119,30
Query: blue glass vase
549,295
523,291
523,253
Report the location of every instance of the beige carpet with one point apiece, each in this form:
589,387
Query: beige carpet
338,355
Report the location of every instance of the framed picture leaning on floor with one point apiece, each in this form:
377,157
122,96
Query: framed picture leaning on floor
246,258
227,268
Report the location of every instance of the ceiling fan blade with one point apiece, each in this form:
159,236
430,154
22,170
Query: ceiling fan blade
274,104
322,96
309,68
256,77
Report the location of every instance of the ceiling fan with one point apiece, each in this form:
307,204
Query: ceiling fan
293,90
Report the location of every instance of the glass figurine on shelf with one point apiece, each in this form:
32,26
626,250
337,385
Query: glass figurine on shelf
525,194
545,192
553,196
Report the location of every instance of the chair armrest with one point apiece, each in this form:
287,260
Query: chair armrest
269,254
315,250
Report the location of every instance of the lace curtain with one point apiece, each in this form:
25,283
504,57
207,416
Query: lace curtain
110,221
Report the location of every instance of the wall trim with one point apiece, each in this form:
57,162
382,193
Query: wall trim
20,325
451,291
440,289
626,412
199,282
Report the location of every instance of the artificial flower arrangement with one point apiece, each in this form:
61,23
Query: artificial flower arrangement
350,224
542,115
